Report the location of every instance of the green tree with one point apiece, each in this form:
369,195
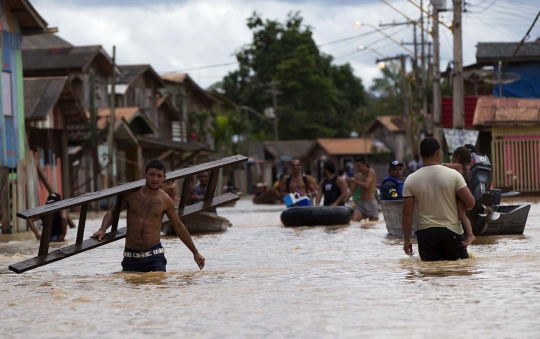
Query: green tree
318,99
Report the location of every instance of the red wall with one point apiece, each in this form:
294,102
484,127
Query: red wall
470,106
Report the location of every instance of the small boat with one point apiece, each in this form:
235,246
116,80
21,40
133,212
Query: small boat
316,216
202,222
511,219
391,210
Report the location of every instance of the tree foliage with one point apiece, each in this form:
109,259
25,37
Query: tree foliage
317,99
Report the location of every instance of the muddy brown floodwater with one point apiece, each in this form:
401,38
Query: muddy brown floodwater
263,280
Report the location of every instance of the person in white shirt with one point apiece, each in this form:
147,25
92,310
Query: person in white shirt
415,164
434,188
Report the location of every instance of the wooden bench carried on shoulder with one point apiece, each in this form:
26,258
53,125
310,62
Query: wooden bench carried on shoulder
46,211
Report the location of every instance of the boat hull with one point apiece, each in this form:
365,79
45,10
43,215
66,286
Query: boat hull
512,219
202,222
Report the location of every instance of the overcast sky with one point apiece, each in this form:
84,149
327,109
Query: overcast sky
176,35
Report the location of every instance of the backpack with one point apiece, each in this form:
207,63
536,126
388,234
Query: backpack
304,177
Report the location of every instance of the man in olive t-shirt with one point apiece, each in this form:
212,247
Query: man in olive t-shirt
434,188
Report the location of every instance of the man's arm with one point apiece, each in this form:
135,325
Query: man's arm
451,165
352,188
319,196
406,224
312,185
107,221
183,233
369,179
343,189
467,197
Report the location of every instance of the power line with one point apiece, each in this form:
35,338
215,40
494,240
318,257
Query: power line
527,36
201,67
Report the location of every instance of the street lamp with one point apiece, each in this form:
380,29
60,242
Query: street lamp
265,117
358,24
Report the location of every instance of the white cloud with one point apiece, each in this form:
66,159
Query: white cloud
175,36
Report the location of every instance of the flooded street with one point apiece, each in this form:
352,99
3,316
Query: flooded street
263,280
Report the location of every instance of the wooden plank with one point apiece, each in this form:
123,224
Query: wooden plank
46,234
116,212
98,195
68,251
184,195
4,200
212,183
82,224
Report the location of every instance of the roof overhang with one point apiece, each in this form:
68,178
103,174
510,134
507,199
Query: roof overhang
30,21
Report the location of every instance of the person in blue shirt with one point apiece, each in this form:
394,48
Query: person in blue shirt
392,186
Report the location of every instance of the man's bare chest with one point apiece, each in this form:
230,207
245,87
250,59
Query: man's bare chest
144,207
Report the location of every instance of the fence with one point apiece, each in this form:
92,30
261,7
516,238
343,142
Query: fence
516,164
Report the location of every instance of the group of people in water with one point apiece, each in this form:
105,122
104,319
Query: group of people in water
438,189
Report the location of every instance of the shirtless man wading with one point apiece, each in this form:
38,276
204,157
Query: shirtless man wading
145,209
297,181
366,179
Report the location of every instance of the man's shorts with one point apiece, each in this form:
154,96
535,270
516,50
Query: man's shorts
150,260
368,208
439,243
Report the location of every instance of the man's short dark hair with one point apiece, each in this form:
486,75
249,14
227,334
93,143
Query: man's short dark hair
328,165
157,164
463,155
360,159
428,147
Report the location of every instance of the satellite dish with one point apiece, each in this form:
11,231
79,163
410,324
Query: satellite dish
503,78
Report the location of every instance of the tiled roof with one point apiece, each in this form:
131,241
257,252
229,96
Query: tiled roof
493,111
351,146
393,123
40,96
132,115
294,148
495,51
44,41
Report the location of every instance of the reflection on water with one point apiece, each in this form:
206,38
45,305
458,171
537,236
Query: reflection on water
265,280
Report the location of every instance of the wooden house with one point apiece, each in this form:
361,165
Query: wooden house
343,151
19,18
514,126
391,131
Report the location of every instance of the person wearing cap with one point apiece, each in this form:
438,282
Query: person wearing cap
434,188
392,186
59,222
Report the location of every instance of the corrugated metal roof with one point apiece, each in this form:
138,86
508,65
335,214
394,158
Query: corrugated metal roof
44,41
40,96
294,148
131,72
63,58
494,51
132,115
494,111
351,146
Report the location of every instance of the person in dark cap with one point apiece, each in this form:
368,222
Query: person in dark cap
392,186
59,222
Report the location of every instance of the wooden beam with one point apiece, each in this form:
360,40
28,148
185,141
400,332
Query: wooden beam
68,251
116,212
212,183
184,195
46,234
4,200
82,224
165,154
122,189
188,159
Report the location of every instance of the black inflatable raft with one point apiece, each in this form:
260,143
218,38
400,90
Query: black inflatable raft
316,215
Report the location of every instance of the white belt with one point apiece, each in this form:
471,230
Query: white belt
143,254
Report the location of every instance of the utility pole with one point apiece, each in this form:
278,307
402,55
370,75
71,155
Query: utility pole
274,93
437,97
424,71
458,119
112,102
93,135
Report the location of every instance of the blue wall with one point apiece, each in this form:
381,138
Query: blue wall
528,86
